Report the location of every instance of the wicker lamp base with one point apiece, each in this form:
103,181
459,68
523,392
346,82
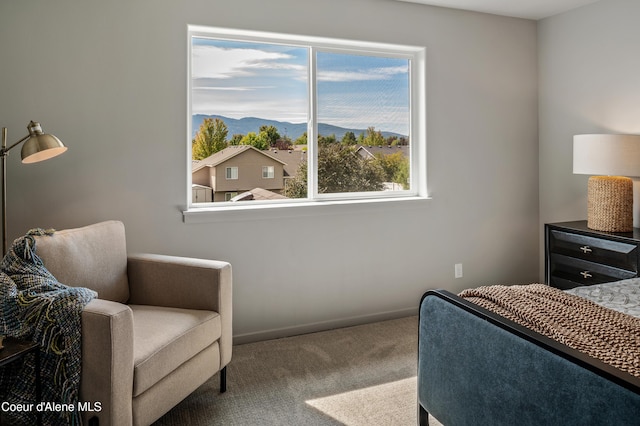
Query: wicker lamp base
610,203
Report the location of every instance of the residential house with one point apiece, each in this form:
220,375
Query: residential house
237,169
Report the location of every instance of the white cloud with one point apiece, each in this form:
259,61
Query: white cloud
384,73
392,119
234,89
219,63
239,104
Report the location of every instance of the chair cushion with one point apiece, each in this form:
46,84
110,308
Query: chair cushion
165,338
94,256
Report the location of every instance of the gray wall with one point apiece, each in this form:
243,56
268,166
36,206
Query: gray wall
589,82
109,78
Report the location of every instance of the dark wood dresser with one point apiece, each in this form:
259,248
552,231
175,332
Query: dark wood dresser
577,256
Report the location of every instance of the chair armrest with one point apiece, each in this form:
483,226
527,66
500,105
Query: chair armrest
107,361
179,282
182,282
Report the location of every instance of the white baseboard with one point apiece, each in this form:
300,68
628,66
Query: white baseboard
321,326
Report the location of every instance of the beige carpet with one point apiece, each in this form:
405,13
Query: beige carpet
354,376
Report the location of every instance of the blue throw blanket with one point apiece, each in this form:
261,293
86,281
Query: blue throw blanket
35,306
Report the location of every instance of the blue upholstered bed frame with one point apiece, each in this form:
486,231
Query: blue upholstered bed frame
477,368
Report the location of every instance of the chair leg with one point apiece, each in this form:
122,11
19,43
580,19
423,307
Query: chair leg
223,380
423,416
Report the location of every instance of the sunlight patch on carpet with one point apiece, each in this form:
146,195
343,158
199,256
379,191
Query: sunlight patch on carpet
386,404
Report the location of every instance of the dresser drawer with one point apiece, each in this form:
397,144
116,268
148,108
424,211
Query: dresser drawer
617,254
568,272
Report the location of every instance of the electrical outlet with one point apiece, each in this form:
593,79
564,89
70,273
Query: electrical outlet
458,270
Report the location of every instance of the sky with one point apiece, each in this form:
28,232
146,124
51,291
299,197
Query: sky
246,79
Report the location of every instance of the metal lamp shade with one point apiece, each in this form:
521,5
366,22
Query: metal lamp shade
40,146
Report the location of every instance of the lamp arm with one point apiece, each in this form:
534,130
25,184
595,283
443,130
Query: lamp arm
4,150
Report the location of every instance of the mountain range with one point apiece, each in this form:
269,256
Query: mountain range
292,130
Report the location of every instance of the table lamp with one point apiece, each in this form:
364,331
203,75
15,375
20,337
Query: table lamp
38,146
611,159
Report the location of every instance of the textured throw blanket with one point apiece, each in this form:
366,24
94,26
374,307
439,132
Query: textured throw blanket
35,306
599,332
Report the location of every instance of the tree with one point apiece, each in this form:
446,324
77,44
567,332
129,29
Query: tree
269,134
401,175
211,138
297,187
325,140
396,168
373,137
302,139
283,144
349,138
257,141
340,169
235,139
403,141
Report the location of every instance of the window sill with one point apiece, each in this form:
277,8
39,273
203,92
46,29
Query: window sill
244,211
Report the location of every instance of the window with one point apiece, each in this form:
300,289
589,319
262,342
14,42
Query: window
345,119
229,195
232,173
268,172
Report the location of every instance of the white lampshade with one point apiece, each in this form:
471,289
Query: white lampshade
611,155
611,160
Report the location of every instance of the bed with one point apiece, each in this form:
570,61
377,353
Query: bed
476,367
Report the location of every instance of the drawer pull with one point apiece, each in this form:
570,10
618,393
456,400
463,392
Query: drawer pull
586,249
586,275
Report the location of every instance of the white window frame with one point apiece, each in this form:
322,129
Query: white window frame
268,172
234,173
417,96
229,195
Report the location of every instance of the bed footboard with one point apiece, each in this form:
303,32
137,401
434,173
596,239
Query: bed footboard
477,368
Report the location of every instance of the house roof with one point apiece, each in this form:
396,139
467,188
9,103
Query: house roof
291,159
258,194
197,186
371,151
225,154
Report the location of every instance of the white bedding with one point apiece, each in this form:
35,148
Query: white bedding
622,296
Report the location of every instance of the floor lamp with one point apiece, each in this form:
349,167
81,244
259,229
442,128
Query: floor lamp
38,147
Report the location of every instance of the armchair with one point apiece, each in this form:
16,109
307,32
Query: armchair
160,327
